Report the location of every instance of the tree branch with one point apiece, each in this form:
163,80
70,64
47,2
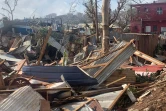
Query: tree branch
90,11
9,9
15,4
6,10
3,14
7,3
115,15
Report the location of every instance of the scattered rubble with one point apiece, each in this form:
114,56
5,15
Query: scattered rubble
59,71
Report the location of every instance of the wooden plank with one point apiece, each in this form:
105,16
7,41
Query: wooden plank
15,44
116,81
89,100
2,62
94,66
119,73
44,45
45,105
2,83
148,58
118,97
19,67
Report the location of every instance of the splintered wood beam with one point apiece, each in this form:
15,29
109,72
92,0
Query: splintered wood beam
2,62
89,100
115,39
19,67
148,58
118,97
44,46
116,81
93,66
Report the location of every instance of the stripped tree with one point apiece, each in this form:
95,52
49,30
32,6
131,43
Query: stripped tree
105,22
108,18
9,9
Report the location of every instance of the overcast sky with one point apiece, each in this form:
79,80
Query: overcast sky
40,8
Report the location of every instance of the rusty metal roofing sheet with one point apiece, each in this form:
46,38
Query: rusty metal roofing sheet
23,99
116,62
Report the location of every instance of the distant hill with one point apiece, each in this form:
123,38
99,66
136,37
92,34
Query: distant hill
71,18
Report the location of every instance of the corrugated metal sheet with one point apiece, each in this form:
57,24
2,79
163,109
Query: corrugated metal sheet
9,58
107,99
116,62
72,74
4,68
55,44
154,68
105,59
23,99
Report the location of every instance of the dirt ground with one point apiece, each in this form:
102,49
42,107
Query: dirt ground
154,101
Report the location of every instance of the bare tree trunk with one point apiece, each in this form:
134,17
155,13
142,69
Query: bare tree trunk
105,23
97,32
94,24
12,15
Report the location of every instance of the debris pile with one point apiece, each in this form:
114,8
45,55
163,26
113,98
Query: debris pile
153,98
33,77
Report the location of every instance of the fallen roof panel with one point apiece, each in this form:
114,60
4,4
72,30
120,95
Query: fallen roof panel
107,99
111,61
72,74
23,99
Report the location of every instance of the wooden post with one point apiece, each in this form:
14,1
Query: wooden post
105,22
116,81
85,41
45,105
44,45
118,97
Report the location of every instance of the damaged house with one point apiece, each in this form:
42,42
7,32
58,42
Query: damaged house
149,17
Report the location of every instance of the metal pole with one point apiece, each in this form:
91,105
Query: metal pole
97,36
